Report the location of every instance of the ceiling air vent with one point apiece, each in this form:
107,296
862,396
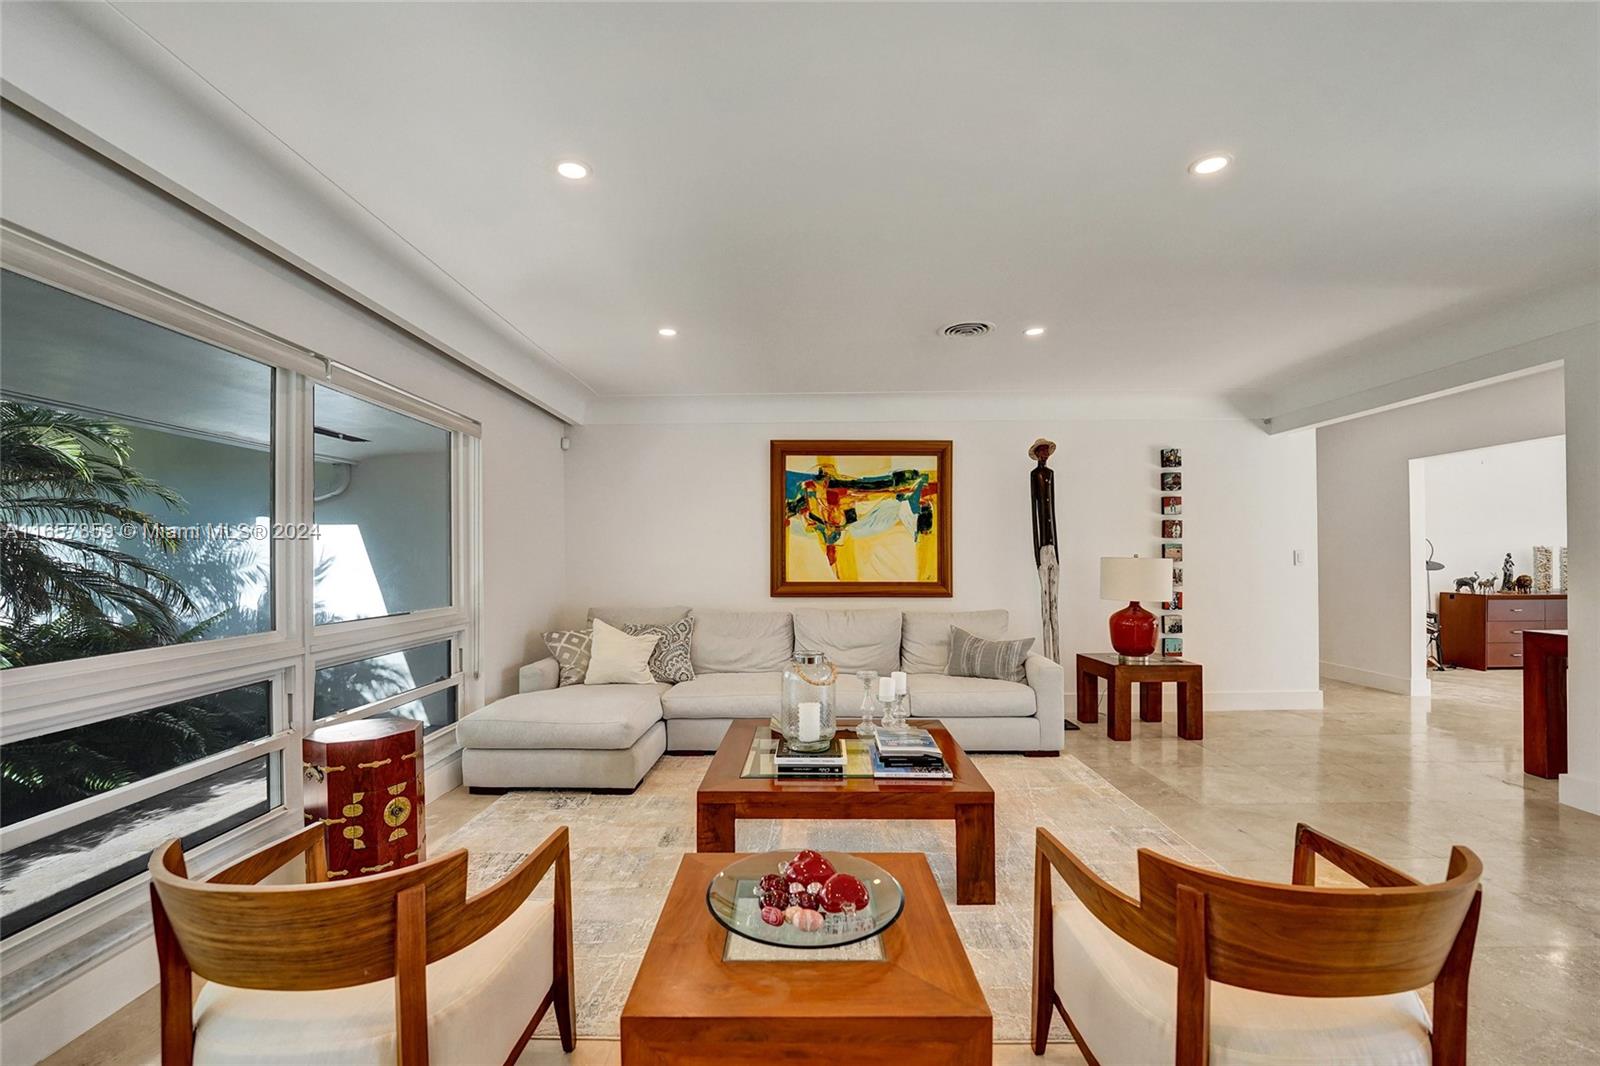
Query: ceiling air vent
966,329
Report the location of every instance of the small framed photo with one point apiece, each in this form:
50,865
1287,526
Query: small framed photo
1173,528
1171,481
1172,623
1177,577
1172,551
1172,647
1171,458
1172,505
1176,603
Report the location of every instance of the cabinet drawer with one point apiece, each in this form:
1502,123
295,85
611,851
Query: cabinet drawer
1555,614
1508,632
1502,655
1517,611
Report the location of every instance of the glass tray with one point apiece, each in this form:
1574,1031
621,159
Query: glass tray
732,900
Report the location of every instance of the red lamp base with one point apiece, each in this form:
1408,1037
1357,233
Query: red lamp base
1133,632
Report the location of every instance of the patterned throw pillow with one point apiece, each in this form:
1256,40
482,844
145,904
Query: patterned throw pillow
571,649
1001,660
670,661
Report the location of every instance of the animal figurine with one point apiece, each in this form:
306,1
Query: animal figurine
1524,583
1486,586
1466,583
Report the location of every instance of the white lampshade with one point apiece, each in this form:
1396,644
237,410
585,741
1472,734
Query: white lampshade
1131,578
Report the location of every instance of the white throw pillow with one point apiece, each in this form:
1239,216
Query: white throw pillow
619,659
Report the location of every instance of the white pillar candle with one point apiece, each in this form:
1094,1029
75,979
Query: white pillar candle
899,682
886,689
810,722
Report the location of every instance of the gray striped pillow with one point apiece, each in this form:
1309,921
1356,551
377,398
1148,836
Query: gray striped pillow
1001,660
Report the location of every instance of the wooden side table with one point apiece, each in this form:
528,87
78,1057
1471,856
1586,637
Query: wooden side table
1120,677
363,781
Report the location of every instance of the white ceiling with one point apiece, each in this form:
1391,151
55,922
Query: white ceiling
808,192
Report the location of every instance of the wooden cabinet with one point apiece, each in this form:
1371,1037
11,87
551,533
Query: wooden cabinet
1485,632
363,780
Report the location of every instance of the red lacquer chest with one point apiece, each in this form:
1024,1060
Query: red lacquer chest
364,783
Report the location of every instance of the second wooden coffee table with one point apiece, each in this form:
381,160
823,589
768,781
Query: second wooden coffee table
725,796
917,1002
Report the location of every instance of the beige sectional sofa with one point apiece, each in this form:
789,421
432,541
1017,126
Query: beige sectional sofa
608,736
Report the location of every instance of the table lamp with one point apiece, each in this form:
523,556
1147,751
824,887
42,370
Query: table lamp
1133,629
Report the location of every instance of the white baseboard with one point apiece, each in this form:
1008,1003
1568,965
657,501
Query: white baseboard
1404,686
443,774
49,1023
1580,791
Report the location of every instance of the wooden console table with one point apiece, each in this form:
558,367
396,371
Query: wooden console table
1544,702
1120,677
1485,632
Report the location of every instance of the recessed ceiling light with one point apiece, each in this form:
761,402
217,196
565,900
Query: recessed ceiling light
1210,164
667,331
1034,331
572,169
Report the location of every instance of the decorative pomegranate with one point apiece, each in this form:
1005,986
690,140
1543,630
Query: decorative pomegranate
844,893
809,868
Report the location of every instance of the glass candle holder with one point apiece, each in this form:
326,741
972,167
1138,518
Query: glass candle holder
807,715
869,703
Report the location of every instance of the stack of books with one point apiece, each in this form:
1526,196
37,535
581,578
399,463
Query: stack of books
790,763
908,755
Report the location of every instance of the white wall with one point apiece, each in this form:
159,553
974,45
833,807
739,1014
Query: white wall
55,188
679,514
1483,503
1580,785
1372,632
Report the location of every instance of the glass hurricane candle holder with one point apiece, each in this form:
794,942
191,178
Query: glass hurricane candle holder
807,715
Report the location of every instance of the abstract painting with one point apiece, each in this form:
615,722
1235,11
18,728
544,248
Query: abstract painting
861,518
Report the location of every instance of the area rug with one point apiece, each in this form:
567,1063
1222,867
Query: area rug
625,852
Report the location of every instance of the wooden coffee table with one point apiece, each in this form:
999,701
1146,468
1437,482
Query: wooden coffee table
724,797
920,1003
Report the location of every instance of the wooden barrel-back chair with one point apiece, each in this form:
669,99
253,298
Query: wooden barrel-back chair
1122,1000
414,927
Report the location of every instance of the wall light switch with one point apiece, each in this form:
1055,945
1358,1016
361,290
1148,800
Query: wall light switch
1299,557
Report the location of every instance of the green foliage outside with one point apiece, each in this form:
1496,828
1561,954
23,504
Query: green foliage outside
69,591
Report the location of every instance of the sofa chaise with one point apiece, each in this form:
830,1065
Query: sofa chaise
608,736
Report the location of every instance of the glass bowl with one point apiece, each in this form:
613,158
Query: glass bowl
731,896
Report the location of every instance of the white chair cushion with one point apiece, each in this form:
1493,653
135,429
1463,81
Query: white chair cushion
591,717
925,636
1124,1002
479,1001
943,696
742,642
858,639
724,696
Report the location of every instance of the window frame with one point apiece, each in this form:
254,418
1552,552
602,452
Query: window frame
50,697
